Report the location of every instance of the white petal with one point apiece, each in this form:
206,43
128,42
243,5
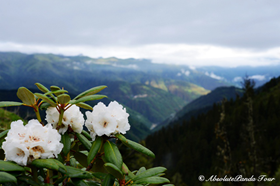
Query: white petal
52,115
16,152
104,124
17,132
93,135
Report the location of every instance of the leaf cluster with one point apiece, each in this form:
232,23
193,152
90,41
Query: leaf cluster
81,161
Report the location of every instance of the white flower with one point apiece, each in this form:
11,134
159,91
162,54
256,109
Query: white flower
18,132
107,120
54,146
100,121
16,152
119,113
72,117
32,141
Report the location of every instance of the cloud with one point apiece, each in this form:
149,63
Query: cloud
145,22
126,66
214,76
193,33
237,79
185,72
191,55
192,67
258,77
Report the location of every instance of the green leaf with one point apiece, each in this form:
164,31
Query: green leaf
42,87
45,163
126,171
26,96
49,164
73,162
98,165
86,134
135,146
91,91
99,175
63,98
56,92
142,169
114,170
81,158
152,180
79,182
10,166
84,141
87,98
4,133
84,106
96,145
54,88
149,173
93,183
44,106
46,99
109,180
66,141
6,177
112,154
73,172
10,103
28,180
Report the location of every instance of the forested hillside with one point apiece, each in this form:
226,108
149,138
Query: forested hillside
238,137
203,104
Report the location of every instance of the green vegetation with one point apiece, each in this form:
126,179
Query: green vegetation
6,118
238,137
203,104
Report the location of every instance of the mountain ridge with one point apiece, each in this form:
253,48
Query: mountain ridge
204,102
79,73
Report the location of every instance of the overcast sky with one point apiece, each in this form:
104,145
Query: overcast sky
191,32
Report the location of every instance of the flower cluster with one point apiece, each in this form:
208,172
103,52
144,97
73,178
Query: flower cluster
32,141
107,120
72,117
60,146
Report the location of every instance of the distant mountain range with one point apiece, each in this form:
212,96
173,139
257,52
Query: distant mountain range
151,92
234,75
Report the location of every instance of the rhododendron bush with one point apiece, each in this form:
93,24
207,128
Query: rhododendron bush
68,149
